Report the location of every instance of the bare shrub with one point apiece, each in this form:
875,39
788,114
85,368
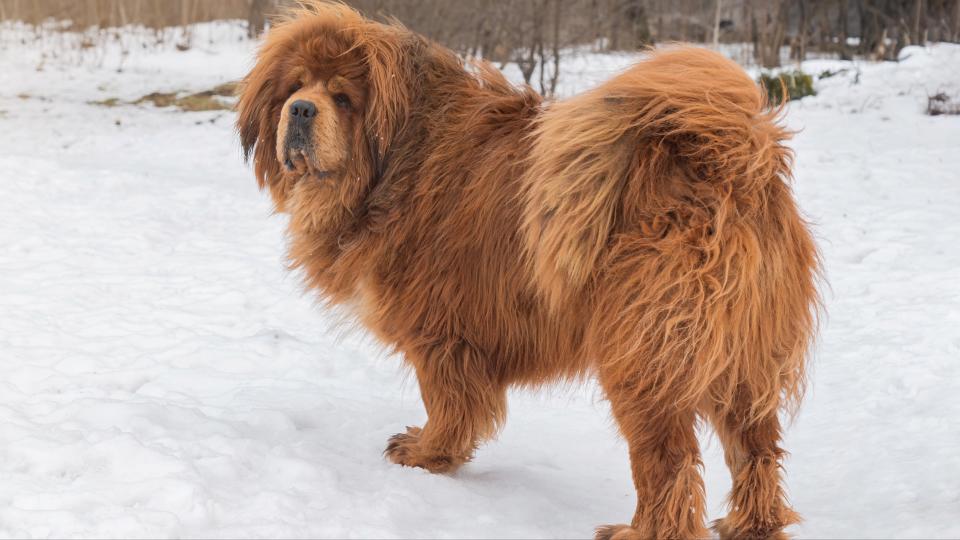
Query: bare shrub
942,103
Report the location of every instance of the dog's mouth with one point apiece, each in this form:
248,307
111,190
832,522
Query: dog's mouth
299,162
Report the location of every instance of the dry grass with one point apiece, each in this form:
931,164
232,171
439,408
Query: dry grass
109,102
207,100
83,14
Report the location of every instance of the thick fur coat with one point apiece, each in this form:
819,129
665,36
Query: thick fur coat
643,233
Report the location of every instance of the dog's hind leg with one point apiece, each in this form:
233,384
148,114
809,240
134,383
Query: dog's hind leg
464,403
666,466
758,506
657,353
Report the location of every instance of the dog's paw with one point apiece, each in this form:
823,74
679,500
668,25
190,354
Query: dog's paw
405,449
726,532
402,446
617,532
626,532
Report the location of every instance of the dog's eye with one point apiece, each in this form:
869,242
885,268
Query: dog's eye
342,101
296,86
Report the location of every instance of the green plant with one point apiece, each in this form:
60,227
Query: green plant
788,85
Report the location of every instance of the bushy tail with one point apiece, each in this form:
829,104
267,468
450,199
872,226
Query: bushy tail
668,181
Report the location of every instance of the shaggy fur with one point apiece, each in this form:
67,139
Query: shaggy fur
642,232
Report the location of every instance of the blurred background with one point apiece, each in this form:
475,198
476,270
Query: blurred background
162,374
535,33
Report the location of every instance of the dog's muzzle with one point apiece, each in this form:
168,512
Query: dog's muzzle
299,127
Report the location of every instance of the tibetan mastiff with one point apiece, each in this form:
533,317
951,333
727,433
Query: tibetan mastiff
643,233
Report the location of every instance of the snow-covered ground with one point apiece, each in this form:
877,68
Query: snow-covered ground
162,375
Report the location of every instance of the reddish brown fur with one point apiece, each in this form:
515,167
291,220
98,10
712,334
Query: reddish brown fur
643,232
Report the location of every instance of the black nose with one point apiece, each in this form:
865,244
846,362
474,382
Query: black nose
303,109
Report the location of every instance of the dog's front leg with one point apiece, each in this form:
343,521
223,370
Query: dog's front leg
464,403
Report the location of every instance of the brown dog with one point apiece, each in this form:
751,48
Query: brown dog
642,232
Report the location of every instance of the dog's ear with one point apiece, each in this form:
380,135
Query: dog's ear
377,160
390,53
258,112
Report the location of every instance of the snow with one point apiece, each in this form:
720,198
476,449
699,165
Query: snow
162,375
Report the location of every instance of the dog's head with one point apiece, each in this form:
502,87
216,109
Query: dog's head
319,111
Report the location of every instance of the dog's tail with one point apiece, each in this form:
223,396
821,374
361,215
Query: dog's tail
685,107
667,178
